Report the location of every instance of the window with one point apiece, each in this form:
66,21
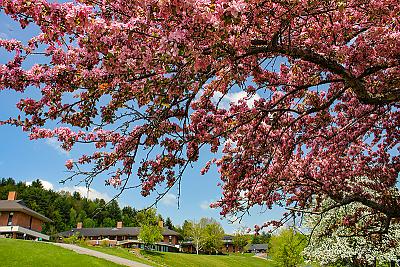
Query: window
10,217
170,239
30,223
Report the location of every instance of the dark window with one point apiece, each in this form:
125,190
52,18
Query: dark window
10,217
30,223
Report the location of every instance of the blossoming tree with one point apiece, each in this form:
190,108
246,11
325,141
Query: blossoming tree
333,242
319,82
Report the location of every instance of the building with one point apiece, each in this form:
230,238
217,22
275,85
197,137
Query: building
122,236
227,246
19,221
258,248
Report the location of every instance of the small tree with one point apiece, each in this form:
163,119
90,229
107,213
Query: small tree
205,234
212,236
74,239
287,247
197,234
150,234
241,239
187,229
147,217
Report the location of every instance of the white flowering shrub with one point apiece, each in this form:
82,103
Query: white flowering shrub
333,241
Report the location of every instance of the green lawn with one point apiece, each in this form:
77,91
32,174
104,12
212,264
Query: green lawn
29,253
192,260
121,252
189,260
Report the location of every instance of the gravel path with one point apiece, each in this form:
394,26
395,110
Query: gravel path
101,255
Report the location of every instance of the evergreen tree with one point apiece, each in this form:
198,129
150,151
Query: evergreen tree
72,217
108,222
168,223
66,209
89,223
129,217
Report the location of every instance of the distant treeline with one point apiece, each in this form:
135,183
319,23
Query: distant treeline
66,209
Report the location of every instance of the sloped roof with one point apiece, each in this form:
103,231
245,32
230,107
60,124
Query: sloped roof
19,205
227,237
107,231
258,247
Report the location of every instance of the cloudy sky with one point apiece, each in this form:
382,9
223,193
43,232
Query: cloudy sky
26,160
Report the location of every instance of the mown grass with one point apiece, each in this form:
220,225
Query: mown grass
192,260
188,260
30,253
121,252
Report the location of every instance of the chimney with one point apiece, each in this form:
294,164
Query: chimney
119,225
12,195
79,225
161,223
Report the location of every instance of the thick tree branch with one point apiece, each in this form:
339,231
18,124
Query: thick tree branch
355,83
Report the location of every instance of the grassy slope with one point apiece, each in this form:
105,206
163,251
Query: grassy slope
121,252
192,260
28,253
189,260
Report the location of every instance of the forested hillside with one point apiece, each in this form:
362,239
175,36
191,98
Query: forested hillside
66,209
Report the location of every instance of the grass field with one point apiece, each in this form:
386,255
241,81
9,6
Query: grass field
29,253
189,260
121,252
192,260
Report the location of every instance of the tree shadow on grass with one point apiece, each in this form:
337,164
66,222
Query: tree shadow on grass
153,254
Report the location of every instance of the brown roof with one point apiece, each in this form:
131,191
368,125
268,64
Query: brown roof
107,231
19,205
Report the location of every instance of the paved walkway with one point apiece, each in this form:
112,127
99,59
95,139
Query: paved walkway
101,255
261,256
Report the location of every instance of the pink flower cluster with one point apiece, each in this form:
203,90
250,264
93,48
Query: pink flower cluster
167,77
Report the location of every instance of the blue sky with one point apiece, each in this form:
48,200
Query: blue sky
26,160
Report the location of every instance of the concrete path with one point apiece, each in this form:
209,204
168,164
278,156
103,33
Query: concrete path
262,256
101,255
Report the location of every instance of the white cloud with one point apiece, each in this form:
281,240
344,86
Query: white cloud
46,184
9,27
168,200
83,191
233,98
55,144
205,205
4,35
